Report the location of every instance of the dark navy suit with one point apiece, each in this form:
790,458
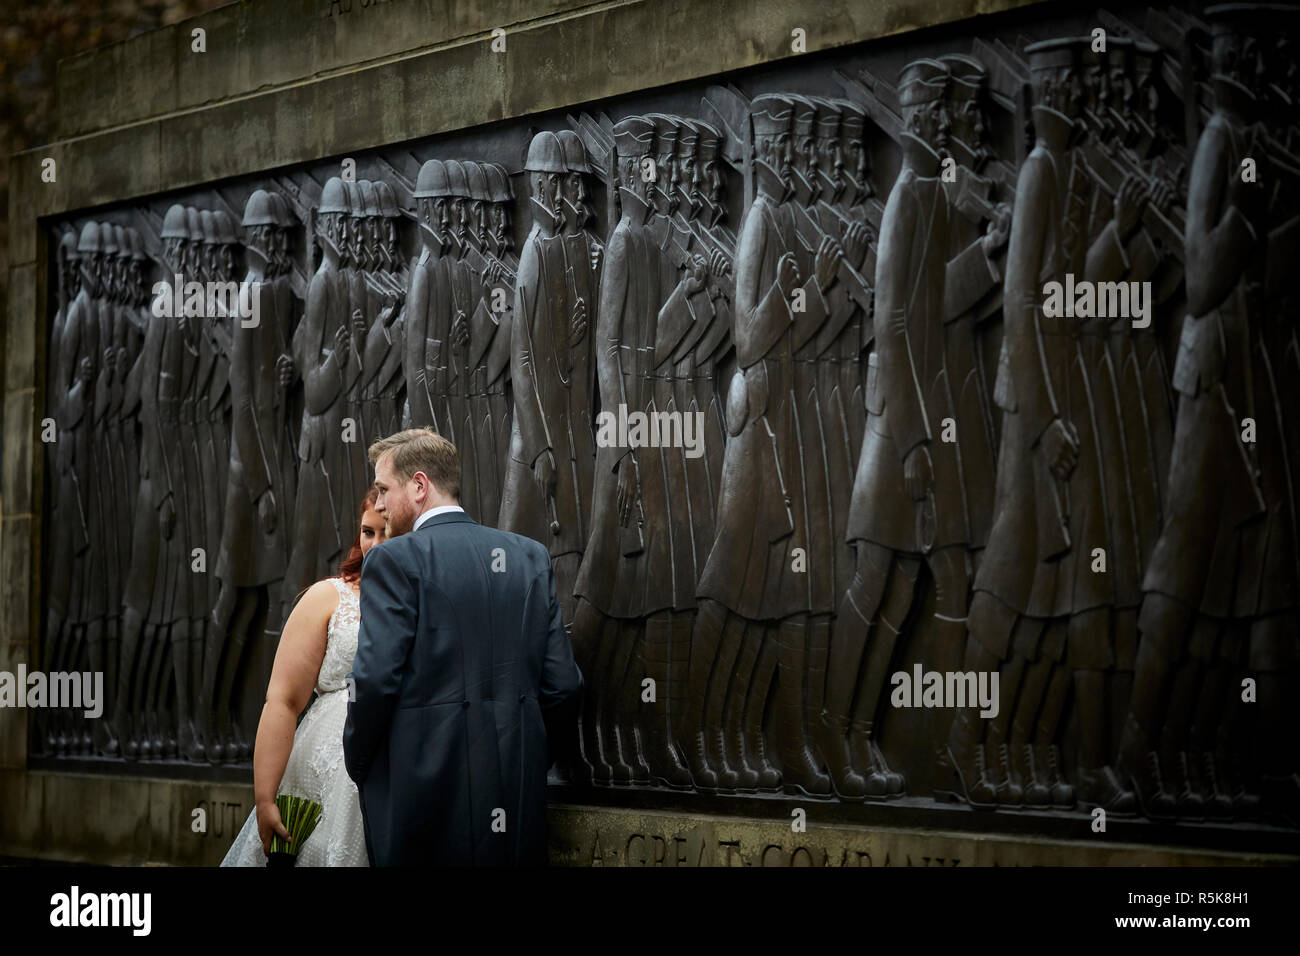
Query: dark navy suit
462,660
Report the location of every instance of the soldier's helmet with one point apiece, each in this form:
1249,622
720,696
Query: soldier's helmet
353,191
333,198
545,154
477,179
387,200
88,243
457,182
224,227
194,223
67,246
575,154
432,181
369,198
634,136
258,211
174,226
498,183
108,238
137,244
280,210
209,225
122,242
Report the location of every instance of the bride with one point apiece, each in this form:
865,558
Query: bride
316,651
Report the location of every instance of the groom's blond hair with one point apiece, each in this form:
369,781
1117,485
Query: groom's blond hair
422,449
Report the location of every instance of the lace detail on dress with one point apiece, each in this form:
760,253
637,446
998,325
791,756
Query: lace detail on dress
315,769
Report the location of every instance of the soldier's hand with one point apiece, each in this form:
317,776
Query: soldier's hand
695,276
1129,202
918,473
544,473
123,359
829,256
284,370
719,264
999,229
110,357
1061,448
578,323
358,324
342,342
627,490
86,370
596,250
855,244
460,330
1161,194
266,512
787,274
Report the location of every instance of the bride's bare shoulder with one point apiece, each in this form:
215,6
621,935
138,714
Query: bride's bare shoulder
318,601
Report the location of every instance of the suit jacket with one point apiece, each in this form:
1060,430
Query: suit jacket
461,661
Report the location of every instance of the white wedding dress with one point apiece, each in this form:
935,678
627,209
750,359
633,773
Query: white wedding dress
315,769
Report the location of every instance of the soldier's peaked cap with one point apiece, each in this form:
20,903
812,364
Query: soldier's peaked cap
922,81
432,180
853,119
333,198
575,154
257,211
666,128
967,72
805,111
478,186
707,149
457,183
771,113
1053,54
688,135
828,116
545,155
634,136
174,223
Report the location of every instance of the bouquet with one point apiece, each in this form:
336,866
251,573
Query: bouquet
300,817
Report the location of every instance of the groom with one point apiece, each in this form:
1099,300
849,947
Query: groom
461,659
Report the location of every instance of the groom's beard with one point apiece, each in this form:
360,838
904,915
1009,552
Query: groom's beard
399,524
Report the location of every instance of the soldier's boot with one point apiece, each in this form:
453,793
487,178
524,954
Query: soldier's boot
1141,767
1189,802
632,740
1100,787
596,743
705,638
1037,795
728,771
1206,781
733,719
799,772
1062,793
614,722
769,777
874,779
962,774
847,783
1011,793
1232,781
895,784
679,672
665,764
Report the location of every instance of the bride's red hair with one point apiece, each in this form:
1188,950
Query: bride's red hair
350,569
